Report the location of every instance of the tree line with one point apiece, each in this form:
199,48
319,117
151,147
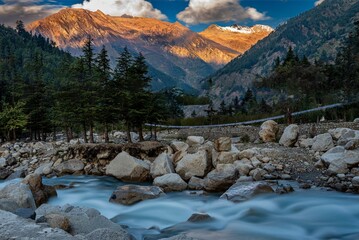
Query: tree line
45,90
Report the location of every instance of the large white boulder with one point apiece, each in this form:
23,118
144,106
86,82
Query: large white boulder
193,165
195,140
223,144
161,166
290,135
170,182
128,168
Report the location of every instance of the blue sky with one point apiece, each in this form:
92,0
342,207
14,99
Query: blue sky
196,14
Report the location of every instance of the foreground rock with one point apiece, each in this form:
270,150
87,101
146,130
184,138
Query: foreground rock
242,191
40,192
268,131
16,195
223,144
128,168
130,194
70,167
15,227
322,142
161,166
170,182
221,178
81,220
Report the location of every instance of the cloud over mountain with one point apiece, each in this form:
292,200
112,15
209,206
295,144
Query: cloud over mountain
25,10
206,11
138,8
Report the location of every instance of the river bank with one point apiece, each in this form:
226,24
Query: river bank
276,162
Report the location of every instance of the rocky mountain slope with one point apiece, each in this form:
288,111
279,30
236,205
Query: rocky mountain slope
317,34
177,56
237,37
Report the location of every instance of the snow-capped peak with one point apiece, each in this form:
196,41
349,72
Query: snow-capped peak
247,30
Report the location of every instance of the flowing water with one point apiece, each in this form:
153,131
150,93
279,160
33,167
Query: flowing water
301,215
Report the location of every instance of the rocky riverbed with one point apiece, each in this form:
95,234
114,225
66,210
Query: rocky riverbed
236,170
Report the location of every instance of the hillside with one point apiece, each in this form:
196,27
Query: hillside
317,34
237,37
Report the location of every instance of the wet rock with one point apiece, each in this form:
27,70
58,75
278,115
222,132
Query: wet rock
290,136
355,181
69,167
193,165
223,144
161,166
170,182
194,140
3,162
242,191
268,131
40,192
4,173
130,194
221,178
323,142
16,174
199,217
196,183
128,168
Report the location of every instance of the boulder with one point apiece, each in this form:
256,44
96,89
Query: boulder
306,142
223,144
15,227
338,167
42,167
107,234
58,221
337,133
3,162
18,193
355,181
351,157
178,156
161,166
221,178
194,140
193,165
242,191
356,120
170,182
69,167
322,143
16,174
82,220
128,168
4,173
289,136
179,146
268,131
40,192
224,157
196,183
25,213
352,144
243,168
130,194
199,217
248,153
333,154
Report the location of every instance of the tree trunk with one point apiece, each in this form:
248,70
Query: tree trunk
68,135
54,134
140,133
107,139
91,134
155,130
84,129
14,134
128,132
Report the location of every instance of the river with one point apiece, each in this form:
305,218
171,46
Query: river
301,215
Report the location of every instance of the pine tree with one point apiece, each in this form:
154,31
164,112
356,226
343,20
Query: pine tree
222,108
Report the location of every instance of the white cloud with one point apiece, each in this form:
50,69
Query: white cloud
206,11
318,2
25,10
137,8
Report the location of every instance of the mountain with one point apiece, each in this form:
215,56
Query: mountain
317,34
237,37
172,50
